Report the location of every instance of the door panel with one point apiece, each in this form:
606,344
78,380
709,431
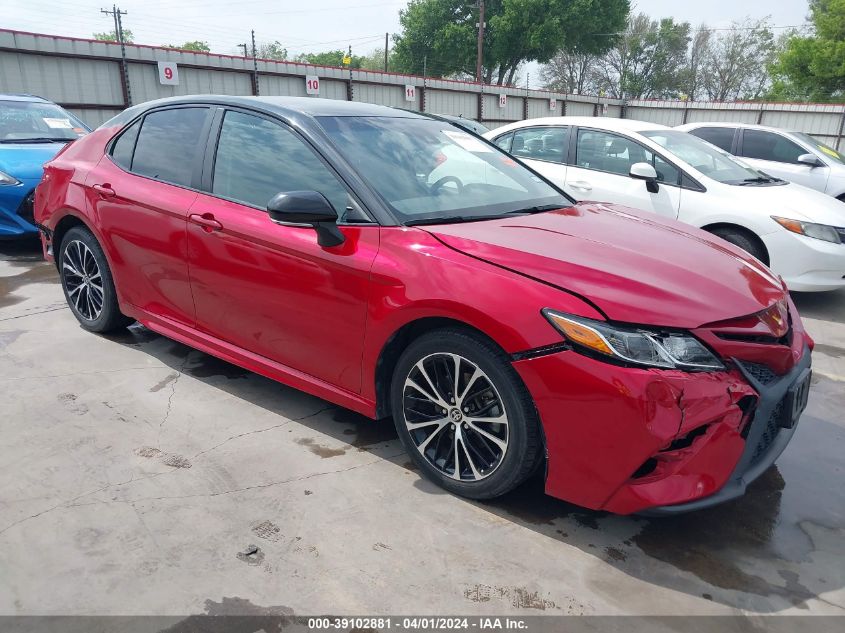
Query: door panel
777,155
603,161
274,291
269,288
144,225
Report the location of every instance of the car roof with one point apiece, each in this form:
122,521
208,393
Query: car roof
604,123
288,106
23,97
745,126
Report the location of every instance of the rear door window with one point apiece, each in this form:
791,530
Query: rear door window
541,143
721,137
168,145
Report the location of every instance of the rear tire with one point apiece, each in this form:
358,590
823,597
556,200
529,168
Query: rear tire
490,421
88,284
745,241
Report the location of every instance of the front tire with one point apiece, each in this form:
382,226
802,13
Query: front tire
744,240
87,282
464,415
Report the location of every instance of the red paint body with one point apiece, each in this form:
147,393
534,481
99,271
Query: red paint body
270,299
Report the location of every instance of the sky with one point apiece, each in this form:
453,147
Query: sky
313,26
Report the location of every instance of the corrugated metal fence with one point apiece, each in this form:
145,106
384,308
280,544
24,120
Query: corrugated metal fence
85,77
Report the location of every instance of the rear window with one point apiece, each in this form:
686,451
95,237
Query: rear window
721,137
167,145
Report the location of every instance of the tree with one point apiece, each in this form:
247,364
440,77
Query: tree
271,50
571,72
693,74
647,60
735,62
111,36
439,36
813,67
196,45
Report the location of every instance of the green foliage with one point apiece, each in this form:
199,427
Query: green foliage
813,67
439,36
271,50
195,45
111,36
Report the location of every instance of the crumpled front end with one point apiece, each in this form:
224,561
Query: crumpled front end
627,439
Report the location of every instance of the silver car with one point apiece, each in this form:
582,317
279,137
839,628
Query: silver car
793,156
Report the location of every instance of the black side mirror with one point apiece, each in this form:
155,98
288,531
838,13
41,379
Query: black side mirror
307,207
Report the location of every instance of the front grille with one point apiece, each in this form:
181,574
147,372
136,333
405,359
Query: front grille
769,434
27,208
760,372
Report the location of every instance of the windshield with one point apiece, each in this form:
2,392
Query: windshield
28,121
428,170
824,149
708,159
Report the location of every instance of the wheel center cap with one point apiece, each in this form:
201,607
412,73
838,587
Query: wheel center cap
456,415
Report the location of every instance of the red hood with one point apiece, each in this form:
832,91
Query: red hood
637,267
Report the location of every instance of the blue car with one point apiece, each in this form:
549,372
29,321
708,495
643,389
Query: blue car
32,131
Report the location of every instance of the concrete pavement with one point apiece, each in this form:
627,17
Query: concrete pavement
138,476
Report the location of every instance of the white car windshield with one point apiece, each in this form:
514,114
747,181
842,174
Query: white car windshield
708,159
431,171
827,150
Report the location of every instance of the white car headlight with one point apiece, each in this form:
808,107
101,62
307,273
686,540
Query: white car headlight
810,229
6,179
635,345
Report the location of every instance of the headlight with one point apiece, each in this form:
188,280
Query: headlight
6,179
810,229
650,348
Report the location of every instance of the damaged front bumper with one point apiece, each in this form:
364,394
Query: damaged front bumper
631,440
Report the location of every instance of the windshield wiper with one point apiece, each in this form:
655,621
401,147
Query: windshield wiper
450,219
536,209
758,180
42,139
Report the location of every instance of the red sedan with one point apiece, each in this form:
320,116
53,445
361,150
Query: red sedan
400,266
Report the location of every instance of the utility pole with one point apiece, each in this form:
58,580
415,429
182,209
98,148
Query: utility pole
246,49
254,67
385,52
480,52
118,32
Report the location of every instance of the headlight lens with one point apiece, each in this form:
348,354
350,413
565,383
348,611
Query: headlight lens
6,179
650,348
810,229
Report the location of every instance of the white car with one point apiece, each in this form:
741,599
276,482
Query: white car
798,232
793,156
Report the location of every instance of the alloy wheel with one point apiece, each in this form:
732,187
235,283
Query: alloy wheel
455,416
83,280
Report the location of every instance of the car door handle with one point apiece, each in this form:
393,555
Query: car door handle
206,221
581,185
104,190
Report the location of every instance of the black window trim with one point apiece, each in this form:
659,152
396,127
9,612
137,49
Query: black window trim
197,160
536,127
682,173
210,158
741,148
